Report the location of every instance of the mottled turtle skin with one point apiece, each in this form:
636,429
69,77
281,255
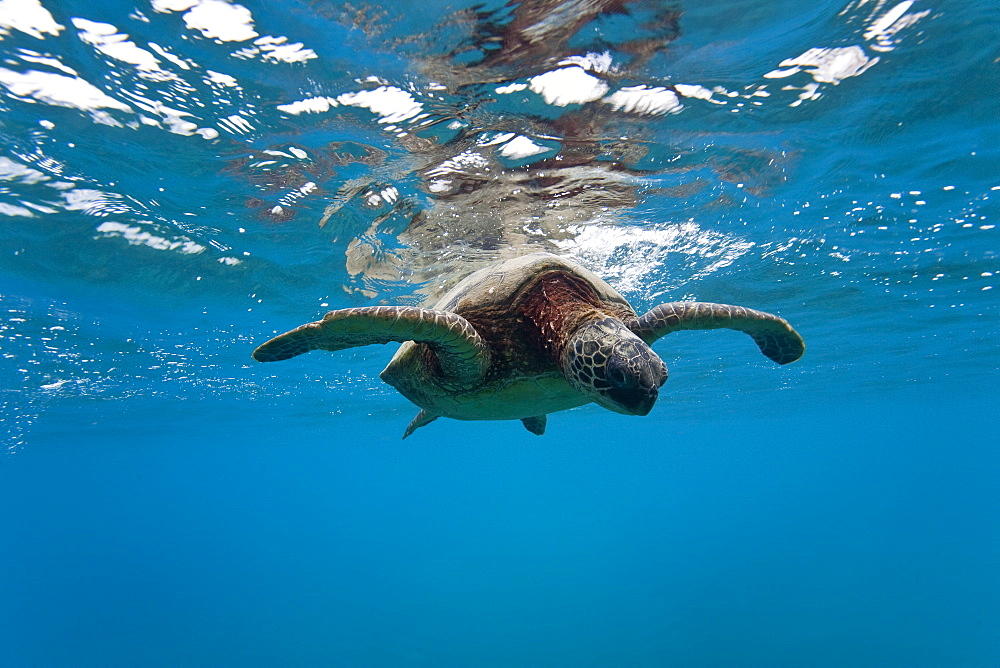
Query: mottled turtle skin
525,337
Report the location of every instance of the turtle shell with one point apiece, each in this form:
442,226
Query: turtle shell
499,283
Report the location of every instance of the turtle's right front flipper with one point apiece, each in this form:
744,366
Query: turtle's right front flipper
461,352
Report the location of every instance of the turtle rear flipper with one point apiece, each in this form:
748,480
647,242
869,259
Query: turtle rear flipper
773,335
461,352
421,418
536,424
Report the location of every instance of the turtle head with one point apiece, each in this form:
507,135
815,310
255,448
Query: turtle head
614,367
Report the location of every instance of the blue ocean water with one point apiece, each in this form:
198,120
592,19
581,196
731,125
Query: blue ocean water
182,179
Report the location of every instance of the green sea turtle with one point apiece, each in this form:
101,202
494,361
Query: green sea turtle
525,337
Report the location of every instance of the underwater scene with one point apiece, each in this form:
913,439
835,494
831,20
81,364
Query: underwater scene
182,181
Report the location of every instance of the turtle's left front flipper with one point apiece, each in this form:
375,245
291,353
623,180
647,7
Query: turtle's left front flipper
461,352
773,335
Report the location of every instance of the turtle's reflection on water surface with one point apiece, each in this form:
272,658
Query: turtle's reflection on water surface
532,125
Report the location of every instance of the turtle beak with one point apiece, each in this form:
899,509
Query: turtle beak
633,400
635,380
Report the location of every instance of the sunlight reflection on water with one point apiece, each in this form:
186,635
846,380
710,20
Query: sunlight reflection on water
466,121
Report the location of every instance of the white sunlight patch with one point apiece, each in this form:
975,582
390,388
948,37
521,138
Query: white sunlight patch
511,88
221,21
14,210
394,105
58,90
276,49
521,147
137,237
568,85
596,62
311,105
224,21
15,171
884,30
105,38
827,65
27,16
464,162
645,100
